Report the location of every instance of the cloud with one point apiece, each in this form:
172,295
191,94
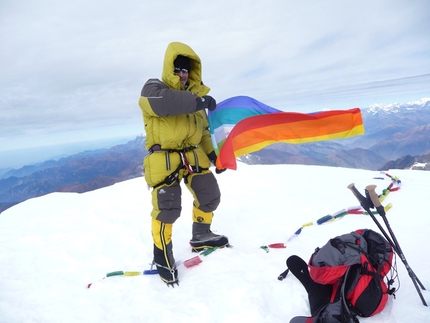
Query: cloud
80,65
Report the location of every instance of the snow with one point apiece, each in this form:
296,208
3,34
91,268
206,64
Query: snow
395,107
53,246
418,165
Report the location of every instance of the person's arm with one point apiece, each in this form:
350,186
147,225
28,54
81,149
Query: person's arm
162,101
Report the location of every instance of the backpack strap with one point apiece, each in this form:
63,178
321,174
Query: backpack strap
345,312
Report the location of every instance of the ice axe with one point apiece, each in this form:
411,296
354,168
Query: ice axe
372,201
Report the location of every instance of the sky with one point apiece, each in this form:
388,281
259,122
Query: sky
52,247
73,71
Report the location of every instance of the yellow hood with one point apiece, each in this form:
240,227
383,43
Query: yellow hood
195,76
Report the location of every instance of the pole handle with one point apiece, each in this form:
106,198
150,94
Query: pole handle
363,201
373,196
370,190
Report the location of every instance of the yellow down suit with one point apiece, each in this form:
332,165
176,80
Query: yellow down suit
179,143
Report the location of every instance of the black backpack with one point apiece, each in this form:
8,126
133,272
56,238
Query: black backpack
355,264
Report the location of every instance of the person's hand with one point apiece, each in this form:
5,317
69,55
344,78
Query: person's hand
206,102
212,157
219,171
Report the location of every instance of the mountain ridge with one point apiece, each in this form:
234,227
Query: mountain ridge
395,137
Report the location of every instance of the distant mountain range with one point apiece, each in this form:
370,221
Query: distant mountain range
396,136
391,132
79,173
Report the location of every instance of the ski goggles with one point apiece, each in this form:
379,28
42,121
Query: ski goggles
178,70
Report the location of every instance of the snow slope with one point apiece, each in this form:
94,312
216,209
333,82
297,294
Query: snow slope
51,247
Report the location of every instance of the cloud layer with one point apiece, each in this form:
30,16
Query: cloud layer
73,71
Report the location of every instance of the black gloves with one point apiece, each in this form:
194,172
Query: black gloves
205,102
212,157
219,171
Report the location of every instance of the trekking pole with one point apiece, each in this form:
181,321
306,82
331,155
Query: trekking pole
366,204
371,200
380,209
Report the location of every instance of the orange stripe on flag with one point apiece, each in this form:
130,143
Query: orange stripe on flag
257,132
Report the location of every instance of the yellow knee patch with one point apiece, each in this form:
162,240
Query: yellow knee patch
202,217
161,233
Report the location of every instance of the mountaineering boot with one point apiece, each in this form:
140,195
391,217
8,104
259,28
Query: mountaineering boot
163,252
204,238
165,263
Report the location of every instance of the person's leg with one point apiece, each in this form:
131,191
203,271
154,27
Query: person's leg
166,202
207,196
163,251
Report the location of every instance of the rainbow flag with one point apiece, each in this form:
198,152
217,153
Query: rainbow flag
242,125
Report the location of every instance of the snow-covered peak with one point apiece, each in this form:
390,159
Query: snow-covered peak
397,107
